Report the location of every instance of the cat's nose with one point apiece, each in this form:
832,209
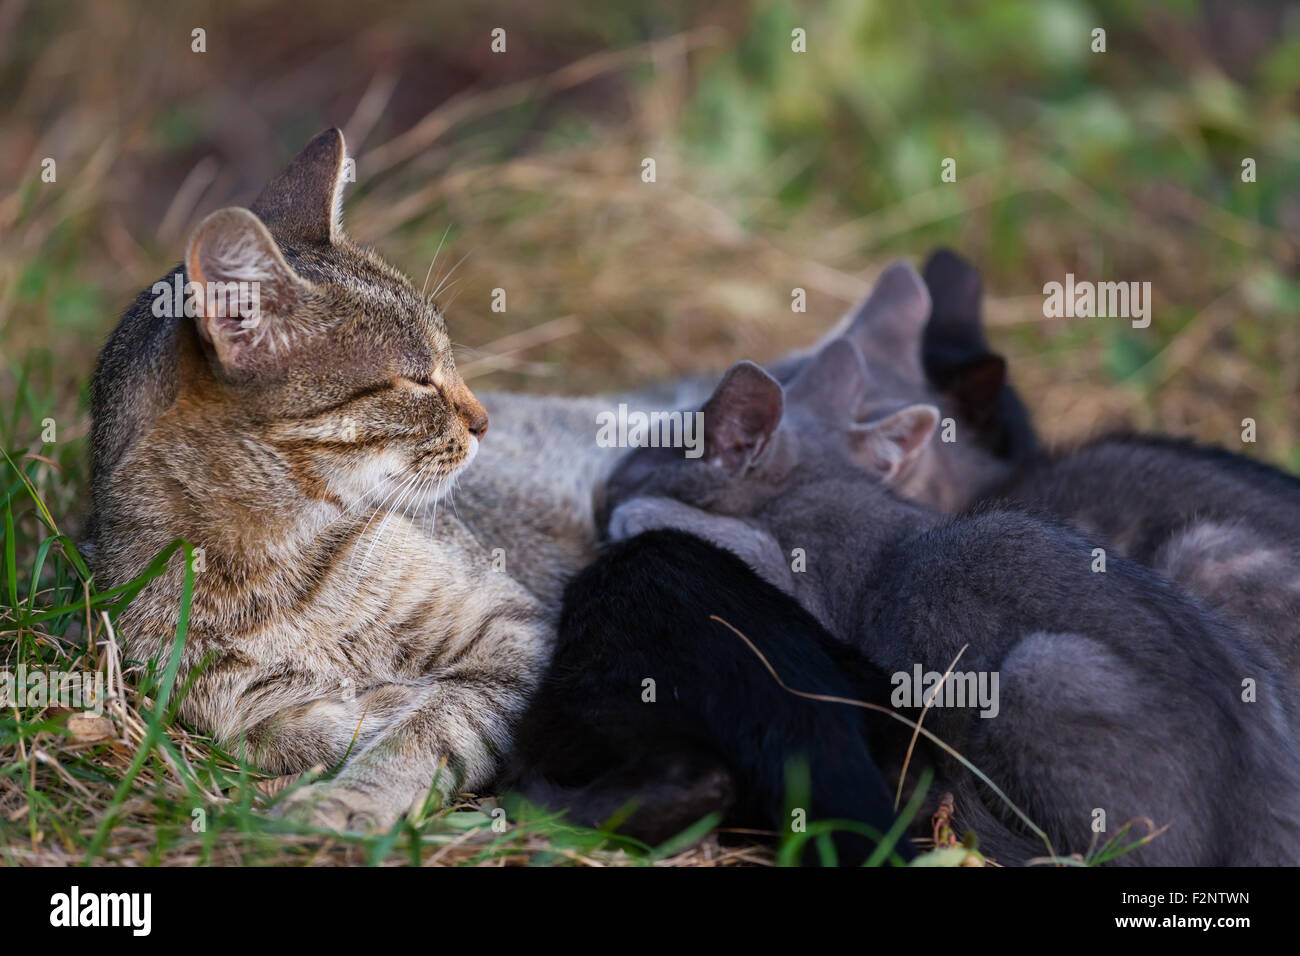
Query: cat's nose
472,413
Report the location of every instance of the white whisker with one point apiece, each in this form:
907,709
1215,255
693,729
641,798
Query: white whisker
435,259
450,273
386,509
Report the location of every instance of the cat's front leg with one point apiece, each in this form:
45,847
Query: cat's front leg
450,739
414,745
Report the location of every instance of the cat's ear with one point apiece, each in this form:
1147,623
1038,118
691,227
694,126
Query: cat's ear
834,382
741,416
974,385
305,201
890,445
956,290
891,319
246,294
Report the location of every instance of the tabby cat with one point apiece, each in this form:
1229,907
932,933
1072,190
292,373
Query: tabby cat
303,447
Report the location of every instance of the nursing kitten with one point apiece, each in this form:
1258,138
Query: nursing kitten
652,704
300,448
1221,525
1117,692
974,447
535,495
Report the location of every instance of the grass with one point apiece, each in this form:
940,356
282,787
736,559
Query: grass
136,786
775,170
141,788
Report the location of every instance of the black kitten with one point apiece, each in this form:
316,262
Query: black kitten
720,732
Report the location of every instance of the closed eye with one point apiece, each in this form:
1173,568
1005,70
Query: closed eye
426,385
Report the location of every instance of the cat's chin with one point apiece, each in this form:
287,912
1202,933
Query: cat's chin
441,489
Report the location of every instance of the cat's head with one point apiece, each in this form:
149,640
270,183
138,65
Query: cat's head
923,342
762,439
871,398
331,357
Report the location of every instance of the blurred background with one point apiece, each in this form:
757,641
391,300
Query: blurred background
775,170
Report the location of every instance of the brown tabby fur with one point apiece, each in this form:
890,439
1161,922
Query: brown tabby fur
306,456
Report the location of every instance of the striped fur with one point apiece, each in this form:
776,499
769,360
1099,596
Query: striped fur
338,611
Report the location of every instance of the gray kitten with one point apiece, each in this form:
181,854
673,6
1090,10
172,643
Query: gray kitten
1223,526
537,488
1120,699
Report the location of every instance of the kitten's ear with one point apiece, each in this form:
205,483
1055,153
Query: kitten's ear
834,382
247,293
891,319
741,415
956,290
889,445
974,385
305,201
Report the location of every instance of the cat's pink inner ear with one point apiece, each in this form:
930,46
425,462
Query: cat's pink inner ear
891,444
741,416
244,293
304,202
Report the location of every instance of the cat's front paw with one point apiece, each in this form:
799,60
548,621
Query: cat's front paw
337,807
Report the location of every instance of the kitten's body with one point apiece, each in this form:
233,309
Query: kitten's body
1118,692
1224,527
718,733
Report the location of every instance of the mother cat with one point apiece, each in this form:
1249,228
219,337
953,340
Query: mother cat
300,447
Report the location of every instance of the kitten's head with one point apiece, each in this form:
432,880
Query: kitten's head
870,399
922,342
342,367
761,440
